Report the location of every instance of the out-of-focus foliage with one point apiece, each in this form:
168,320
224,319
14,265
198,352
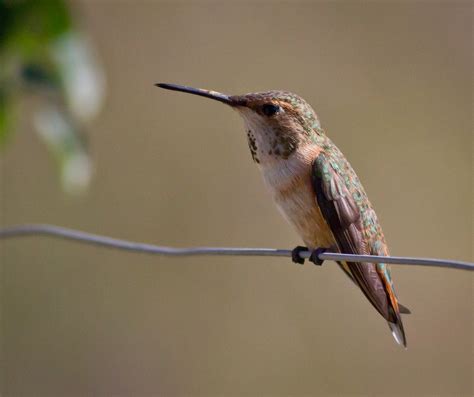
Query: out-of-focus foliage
43,55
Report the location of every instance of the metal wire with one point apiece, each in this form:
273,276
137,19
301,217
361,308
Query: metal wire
89,238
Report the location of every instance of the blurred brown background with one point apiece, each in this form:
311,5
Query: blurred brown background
392,85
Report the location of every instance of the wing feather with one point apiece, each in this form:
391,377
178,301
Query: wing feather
344,219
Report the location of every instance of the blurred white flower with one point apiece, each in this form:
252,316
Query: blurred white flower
83,78
66,146
76,173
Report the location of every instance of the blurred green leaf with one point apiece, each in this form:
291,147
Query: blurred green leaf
28,25
40,75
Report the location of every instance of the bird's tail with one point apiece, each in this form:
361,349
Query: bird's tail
398,333
395,319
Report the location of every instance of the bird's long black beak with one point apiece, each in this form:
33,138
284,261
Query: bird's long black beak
198,91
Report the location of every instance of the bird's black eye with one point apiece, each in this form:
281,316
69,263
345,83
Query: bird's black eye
269,109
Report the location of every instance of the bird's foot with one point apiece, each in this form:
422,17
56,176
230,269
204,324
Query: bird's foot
314,257
295,254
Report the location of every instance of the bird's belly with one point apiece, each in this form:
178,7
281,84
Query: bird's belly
297,201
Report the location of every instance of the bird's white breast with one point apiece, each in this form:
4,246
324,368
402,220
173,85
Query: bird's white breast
289,182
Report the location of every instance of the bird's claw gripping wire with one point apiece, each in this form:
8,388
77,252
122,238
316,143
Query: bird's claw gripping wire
314,257
295,254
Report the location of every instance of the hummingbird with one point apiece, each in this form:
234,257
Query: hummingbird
316,190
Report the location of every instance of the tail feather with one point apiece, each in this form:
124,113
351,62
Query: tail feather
395,319
397,329
403,309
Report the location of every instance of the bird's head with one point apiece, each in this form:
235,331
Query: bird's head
277,122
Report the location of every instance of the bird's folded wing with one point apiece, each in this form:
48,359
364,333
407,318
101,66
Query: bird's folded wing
344,219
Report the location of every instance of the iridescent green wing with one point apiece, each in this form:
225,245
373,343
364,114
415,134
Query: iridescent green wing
344,219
